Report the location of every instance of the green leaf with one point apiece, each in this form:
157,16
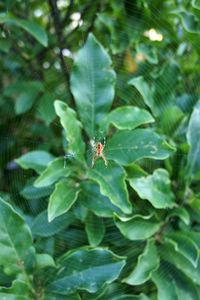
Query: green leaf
18,291
196,4
30,192
169,254
193,138
190,21
182,213
126,146
149,52
86,269
184,245
36,160
61,200
45,108
92,84
44,261
165,285
137,227
131,297
72,127
17,254
147,262
41,226
99,204
155,188
95,229
144,89
54,171
172,284
31,27
5,45
127,117
112,184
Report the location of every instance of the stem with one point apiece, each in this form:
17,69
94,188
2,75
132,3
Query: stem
60,39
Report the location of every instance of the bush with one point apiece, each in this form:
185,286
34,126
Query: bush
100,152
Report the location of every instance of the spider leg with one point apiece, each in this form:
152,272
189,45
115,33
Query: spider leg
94,159
104,159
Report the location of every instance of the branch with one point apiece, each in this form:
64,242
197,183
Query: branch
60,39
68,13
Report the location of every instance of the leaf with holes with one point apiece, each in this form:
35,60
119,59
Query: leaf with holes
127,146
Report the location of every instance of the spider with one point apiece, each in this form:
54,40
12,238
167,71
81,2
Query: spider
98,148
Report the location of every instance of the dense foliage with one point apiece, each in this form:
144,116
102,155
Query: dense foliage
100,150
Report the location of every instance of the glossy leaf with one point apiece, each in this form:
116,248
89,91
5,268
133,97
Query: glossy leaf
147,262
127,117
137,227
193,138
184,245
96,202
112,184
61,200
126,146
18,291
41,226
31,27
155,188
54,171
16,250
36,160
72,127
95,229
84,269
92,84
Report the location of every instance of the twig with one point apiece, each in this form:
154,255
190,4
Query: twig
68,13
60,38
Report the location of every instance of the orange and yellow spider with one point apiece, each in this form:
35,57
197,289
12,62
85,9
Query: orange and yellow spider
98,148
